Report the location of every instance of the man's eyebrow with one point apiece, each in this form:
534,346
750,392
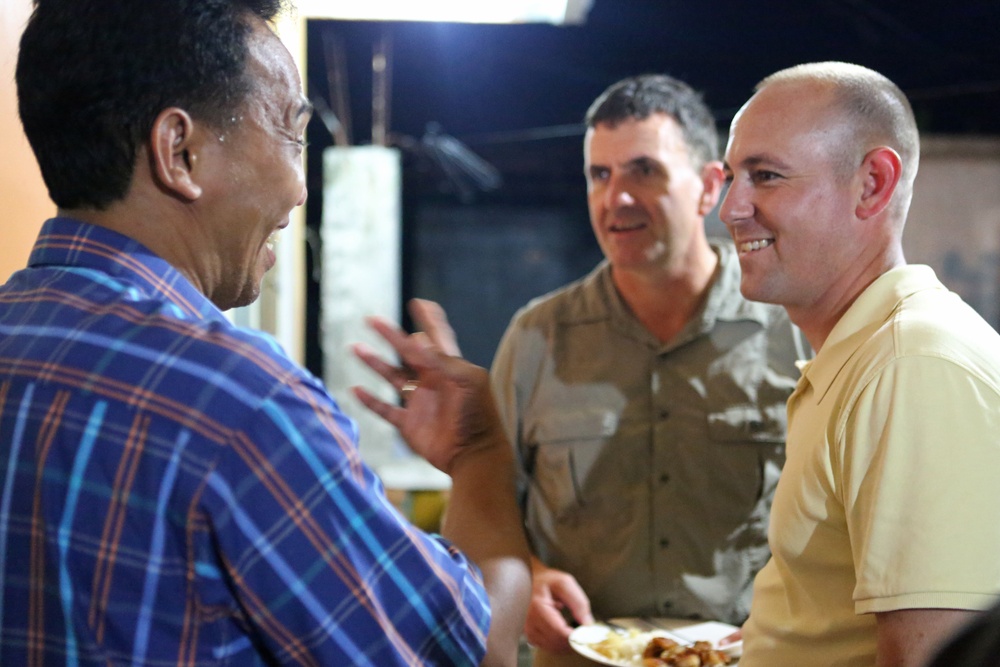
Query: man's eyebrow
641,161
753,161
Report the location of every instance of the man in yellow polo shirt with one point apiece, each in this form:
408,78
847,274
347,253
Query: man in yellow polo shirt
883,532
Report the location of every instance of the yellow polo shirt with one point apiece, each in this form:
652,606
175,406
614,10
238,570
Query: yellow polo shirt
890,496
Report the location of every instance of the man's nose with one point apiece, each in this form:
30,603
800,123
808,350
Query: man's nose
736,205
617,194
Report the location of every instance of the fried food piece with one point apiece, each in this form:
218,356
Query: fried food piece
664,652
657,646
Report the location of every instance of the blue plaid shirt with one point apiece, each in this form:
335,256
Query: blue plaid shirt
175,491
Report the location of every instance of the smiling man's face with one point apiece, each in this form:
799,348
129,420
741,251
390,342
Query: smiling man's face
792,195
263,178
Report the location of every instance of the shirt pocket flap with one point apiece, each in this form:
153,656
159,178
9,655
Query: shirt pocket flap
742,423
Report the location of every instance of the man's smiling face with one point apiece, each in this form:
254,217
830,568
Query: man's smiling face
790,204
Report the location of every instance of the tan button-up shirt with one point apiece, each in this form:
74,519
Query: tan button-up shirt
647,469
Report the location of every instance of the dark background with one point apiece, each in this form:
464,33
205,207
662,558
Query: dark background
515,95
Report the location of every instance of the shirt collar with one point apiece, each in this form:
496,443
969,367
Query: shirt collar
70,243
720,304
869,312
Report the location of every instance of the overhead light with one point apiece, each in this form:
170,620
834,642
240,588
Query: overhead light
452,11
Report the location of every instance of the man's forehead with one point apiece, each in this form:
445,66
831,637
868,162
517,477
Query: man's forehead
779,113
269,57
277,77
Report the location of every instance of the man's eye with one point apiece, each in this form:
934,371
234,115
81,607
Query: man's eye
764,176
642,169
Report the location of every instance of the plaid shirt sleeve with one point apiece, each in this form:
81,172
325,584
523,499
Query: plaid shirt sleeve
326,566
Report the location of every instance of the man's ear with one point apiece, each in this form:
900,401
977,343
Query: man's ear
881,170
713,177
176,149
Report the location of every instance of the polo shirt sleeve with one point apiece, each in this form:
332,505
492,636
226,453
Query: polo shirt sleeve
322,567
921,454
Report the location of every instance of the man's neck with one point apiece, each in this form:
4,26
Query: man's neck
818,320
665,301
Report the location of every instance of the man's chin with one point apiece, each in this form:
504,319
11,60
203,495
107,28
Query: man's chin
246,299
247,294
753,291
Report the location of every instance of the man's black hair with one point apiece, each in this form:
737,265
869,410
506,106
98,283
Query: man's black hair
92,76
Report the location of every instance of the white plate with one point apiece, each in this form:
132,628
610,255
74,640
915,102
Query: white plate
584,637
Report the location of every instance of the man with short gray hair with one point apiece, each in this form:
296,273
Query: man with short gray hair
883,531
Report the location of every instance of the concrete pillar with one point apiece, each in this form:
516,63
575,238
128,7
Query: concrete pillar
360,276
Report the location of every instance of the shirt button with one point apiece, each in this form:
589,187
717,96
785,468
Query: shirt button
664,414
667,605
664,543
664,478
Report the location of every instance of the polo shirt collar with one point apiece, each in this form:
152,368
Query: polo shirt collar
869,312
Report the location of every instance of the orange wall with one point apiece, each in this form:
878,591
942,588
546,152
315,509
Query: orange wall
24,202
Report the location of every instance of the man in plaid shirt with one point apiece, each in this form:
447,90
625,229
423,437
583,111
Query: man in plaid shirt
173,489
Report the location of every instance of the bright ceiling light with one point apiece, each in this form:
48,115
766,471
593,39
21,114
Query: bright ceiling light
453,11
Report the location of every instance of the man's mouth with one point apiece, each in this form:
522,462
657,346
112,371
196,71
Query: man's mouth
751,246
627,226
272,240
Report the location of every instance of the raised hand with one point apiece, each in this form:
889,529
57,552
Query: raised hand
446,406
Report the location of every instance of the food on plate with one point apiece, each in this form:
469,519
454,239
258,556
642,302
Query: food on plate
627,646
645,649
665,652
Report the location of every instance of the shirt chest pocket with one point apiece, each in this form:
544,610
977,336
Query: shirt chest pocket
748,423
564,449
752,439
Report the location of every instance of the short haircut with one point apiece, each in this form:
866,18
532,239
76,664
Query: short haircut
877,110
92,76
638,97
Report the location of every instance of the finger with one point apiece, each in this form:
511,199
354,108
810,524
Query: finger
734,638
430,317
580,609
392,334
390,372
390,413
567,591
550,630
554,622
413,350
